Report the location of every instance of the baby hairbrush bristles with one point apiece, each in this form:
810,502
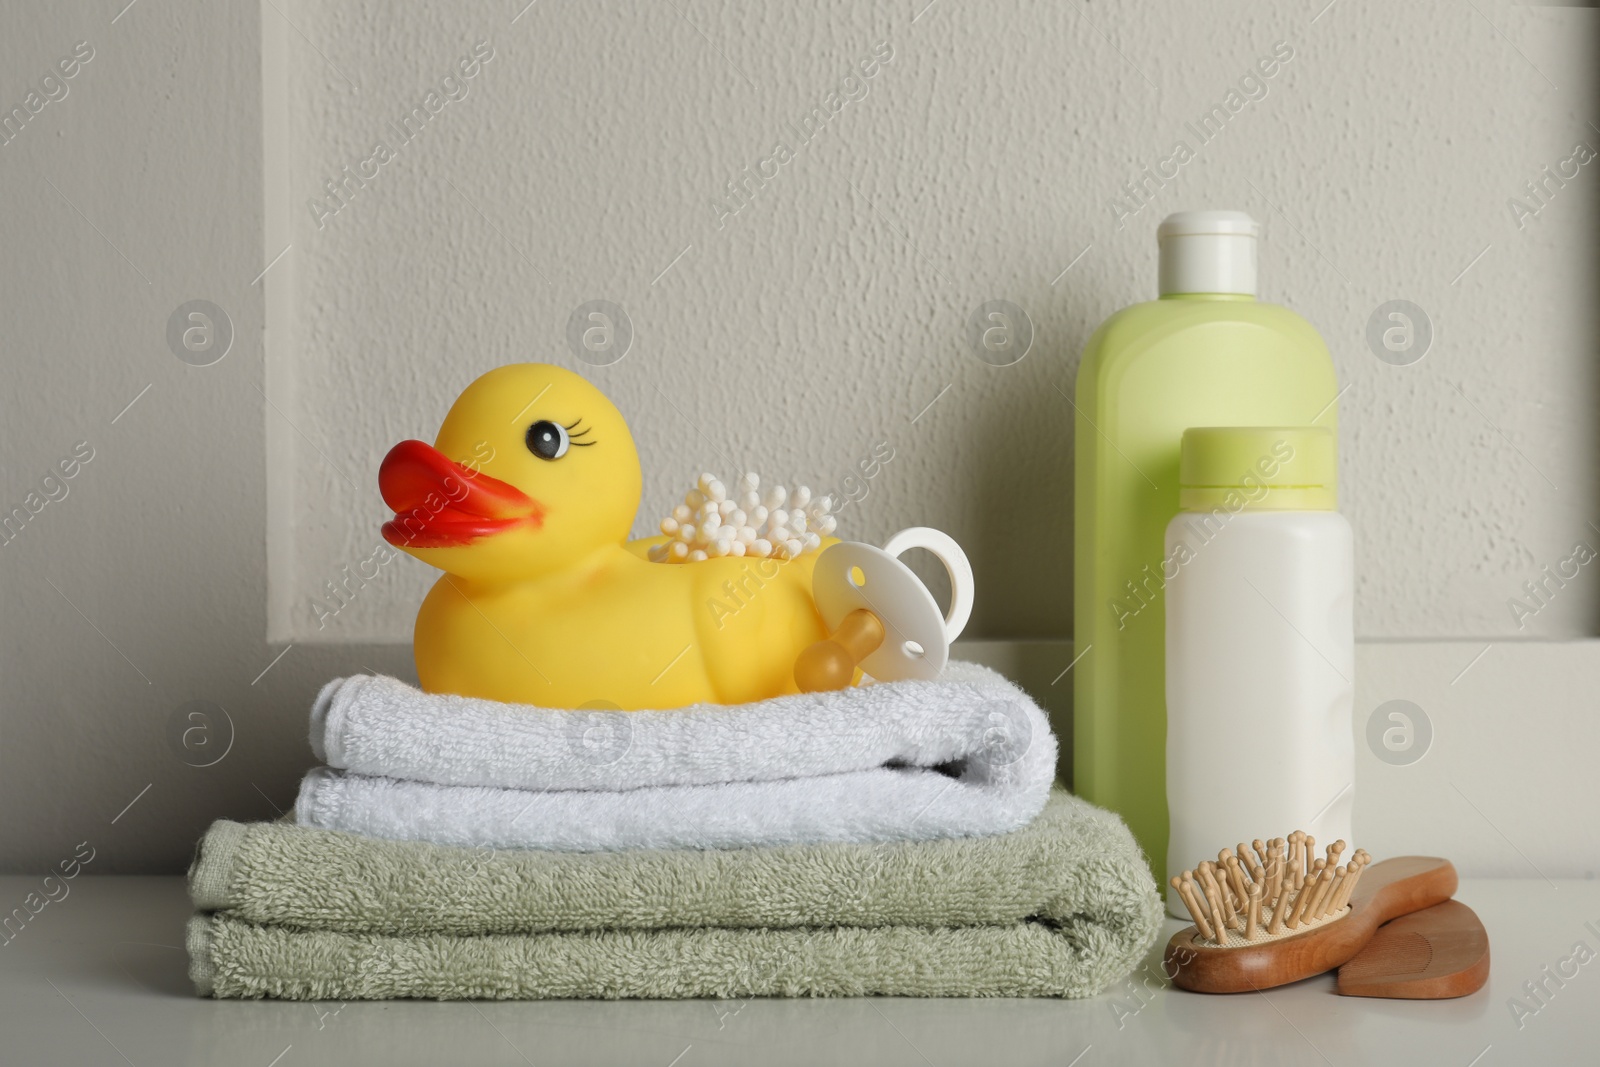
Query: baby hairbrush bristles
1272,912
1252,895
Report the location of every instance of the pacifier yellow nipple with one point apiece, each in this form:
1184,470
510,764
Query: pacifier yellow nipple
831,663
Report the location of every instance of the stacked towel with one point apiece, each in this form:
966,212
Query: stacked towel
1062,907
896,839
967,754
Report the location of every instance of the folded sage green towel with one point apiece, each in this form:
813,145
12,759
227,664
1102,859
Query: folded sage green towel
1075,863
231,958
1063,907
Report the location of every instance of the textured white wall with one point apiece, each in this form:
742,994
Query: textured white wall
585,161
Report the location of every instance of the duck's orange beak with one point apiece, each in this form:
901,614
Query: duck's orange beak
440,503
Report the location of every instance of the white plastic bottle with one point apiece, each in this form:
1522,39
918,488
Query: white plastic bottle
1260,646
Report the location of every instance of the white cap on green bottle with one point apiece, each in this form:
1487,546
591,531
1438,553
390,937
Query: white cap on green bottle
1208,252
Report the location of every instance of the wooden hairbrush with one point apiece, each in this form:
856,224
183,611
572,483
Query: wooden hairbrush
1269,914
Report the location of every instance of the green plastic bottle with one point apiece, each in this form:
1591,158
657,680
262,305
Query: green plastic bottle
1206,354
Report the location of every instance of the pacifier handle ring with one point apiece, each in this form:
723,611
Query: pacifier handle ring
956,566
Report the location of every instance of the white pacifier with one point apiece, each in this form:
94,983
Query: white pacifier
880,616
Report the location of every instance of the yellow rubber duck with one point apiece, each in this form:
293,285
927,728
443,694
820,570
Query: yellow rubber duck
525,501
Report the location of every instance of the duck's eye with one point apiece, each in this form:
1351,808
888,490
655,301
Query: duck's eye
548,440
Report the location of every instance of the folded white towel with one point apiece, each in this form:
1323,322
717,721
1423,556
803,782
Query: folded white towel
967,754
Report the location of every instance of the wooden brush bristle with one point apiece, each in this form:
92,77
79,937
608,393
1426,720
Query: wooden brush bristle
1268,889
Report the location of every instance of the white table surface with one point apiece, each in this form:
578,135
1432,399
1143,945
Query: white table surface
100,977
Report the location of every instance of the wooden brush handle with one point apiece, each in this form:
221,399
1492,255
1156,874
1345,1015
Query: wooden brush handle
1432,954
1387,890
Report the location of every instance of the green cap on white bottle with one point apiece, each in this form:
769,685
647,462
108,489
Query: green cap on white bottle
1262,468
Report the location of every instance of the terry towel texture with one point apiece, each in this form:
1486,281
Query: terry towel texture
967,754
1074,864
1062,907
235,959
